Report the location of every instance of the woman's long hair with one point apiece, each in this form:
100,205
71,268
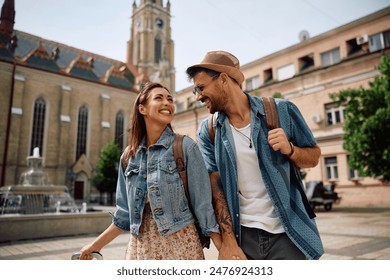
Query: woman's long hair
138,128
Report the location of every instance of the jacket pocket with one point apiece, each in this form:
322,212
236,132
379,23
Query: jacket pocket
169,176
132,175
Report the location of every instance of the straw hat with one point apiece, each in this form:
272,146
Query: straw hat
221,61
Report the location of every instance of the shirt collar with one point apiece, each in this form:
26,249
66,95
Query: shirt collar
256,106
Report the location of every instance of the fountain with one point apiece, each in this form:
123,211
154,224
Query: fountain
35,209
34,195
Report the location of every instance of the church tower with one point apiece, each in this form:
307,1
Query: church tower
7,20
150,47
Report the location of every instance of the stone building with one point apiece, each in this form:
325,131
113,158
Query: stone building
71,103
306,73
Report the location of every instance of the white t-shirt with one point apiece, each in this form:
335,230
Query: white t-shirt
256,208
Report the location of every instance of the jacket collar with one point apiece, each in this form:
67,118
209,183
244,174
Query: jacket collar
165,139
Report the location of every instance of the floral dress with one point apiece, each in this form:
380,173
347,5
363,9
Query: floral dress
151,245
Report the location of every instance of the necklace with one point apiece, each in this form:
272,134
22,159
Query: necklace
249,138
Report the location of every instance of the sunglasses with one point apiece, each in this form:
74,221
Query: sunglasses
199,89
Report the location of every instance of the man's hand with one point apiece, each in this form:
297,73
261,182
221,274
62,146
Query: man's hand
277,139
229,249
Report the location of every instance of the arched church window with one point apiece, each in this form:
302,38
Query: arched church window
82,132
138,49
119,130
38,125
157,49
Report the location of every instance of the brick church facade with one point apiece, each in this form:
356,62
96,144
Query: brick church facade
70,103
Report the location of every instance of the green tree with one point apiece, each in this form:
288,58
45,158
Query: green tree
278,95
367,124
107,171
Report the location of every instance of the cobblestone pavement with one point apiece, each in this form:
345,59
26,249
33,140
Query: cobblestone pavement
356,228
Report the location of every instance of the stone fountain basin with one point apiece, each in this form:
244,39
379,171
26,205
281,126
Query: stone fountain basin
48,189
23,227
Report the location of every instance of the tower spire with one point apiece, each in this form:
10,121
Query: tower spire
7,20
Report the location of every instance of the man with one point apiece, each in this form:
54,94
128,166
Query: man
266,214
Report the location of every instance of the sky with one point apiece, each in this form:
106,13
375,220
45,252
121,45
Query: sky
250,29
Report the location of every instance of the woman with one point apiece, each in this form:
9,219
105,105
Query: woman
151,201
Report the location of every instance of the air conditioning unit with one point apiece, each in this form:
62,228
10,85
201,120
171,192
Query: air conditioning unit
316,118
362,39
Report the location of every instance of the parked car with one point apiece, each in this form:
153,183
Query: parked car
319,194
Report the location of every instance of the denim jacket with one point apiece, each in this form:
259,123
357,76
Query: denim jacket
275,169
152,172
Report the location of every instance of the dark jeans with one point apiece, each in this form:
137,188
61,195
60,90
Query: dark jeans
258,244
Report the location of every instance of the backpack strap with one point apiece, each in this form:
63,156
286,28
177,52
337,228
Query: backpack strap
179,159
178,155
271,115
125,159
210,125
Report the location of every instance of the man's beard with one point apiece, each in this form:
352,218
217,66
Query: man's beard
218,105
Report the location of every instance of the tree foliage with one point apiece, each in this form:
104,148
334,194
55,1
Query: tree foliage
367,124
278,95
107,170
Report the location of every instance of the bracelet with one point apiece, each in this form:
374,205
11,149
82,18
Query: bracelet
292,149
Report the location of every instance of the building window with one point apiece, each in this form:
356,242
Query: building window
157,49
330,57
252,83
119,130
191,102
353,173
306,62
38,125
334,114
82,129
354,47
179,107
379,41
332,172
286,72
268,77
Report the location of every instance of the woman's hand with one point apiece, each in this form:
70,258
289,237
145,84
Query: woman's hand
86,252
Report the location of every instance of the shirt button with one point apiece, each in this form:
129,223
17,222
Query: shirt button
144,176
237,215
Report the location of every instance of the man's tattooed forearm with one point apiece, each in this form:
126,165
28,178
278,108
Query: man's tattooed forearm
220,206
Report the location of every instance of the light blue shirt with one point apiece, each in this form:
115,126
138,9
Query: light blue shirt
153,172
275,170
